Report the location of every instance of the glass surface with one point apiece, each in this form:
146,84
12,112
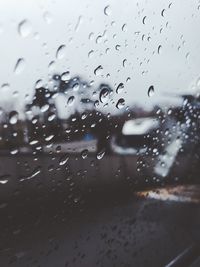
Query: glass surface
99,132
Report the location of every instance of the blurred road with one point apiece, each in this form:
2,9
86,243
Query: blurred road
114,229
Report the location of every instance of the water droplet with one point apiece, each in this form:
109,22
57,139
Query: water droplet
198,82
91,53
98,70
78,23
120,88
19,66
83,116
70,100
47,17
35,172
13,117
65,76
117,47
5,86
51,117
14,151
63,160
38,84
4,179
107,10
44,108
61,51
101,154
159,49
124,63
52,66
124,28
104,95
24,28
84,154
120,103
96,103
76,87
163,13
144,20
151,91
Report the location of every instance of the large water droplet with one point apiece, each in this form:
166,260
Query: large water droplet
19,66
24,28
120,103
13,117
98,70
61,51
104,95
151,91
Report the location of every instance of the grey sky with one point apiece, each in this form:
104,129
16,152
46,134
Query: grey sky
77,24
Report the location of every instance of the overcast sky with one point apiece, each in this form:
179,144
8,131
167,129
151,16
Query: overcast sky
140,44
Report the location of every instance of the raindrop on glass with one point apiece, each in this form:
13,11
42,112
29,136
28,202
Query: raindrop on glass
120,88
47,17
98,70
61,51
63,160
144,20
159,49
19,66
13,117
120,103
24,28
151,91
104,95
70,100
4,179
5,86
84,154
107,10
101,154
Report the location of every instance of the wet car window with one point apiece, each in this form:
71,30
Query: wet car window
99,133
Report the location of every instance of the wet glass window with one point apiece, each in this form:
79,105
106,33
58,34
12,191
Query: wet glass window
99,133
